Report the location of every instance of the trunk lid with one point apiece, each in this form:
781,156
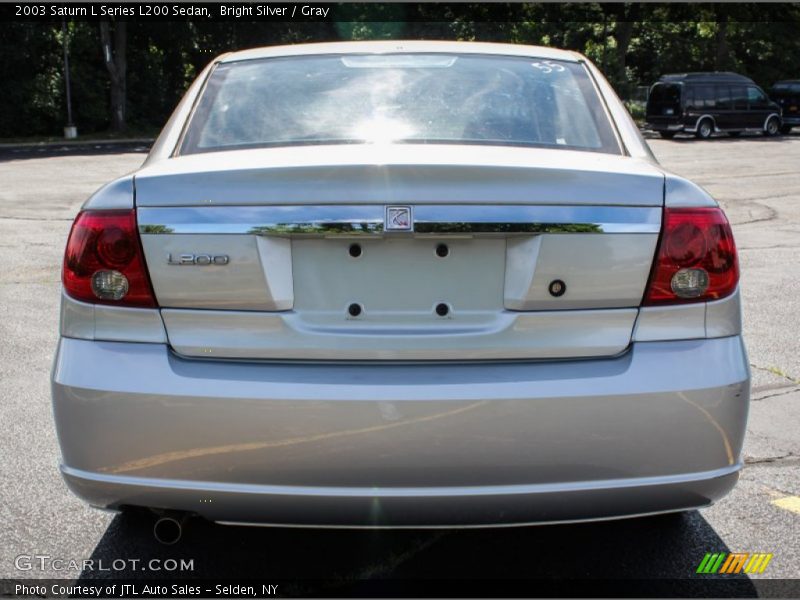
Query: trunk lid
510,253
400,174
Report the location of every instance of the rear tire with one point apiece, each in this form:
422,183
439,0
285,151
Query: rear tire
786,129
704,129
773,127
667,135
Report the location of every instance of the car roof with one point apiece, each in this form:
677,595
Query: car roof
386,47
700,77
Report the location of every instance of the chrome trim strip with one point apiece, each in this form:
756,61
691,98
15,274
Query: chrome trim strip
362,219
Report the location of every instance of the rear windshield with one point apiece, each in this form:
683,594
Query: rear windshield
664,94
396,98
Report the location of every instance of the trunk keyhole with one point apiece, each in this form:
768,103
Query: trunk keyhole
442,309
442,250
354,309
355,250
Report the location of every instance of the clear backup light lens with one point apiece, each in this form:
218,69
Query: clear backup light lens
109,285
695,260
689,283
104,261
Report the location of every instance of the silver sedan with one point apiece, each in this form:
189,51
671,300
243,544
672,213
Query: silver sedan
401,285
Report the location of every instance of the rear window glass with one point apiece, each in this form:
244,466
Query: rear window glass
665,94
397,98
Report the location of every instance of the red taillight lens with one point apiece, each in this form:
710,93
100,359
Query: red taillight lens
104,262
696,258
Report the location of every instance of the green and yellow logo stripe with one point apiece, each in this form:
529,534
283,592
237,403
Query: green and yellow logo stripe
735,562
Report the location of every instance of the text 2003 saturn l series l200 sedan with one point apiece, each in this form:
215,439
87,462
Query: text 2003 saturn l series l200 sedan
401,284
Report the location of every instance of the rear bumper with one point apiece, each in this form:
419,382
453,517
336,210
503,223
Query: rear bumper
657,429
671,126
431,507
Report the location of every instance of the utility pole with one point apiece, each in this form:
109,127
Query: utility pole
70,131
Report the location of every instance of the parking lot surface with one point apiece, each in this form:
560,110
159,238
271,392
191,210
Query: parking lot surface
757,181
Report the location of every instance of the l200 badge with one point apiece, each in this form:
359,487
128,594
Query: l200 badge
197,260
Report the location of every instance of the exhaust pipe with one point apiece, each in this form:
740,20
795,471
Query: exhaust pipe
168,530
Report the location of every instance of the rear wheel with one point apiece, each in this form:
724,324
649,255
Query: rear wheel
786,129
773,127
667,135
704,129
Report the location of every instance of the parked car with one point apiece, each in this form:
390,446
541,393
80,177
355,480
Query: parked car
786,94
704,103
401,284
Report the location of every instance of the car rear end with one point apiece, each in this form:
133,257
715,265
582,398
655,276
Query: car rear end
664,110
501,329
787,95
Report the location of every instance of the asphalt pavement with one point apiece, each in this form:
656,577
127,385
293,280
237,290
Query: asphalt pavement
757,181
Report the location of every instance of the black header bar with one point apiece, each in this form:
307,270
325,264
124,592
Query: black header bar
298,12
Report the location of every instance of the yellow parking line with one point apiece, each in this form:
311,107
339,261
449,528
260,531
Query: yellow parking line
791,503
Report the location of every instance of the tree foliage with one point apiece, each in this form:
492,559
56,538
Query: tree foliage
632,43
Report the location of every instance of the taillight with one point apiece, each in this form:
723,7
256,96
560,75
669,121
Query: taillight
696,258
104,262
